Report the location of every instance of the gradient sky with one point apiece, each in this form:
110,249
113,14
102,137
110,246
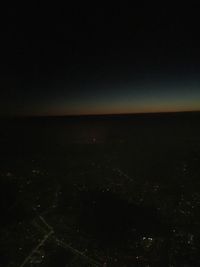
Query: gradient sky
72,60
129,98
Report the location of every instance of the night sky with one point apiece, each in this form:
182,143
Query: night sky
72,60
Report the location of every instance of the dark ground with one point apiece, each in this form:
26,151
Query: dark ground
100,191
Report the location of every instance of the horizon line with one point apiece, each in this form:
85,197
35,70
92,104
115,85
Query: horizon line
99,114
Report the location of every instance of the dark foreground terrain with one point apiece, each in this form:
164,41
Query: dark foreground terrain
100,191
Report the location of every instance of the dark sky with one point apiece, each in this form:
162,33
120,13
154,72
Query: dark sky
61,60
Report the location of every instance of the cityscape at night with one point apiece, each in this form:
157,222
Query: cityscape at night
100,136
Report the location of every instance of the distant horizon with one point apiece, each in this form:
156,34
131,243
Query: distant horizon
101,114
